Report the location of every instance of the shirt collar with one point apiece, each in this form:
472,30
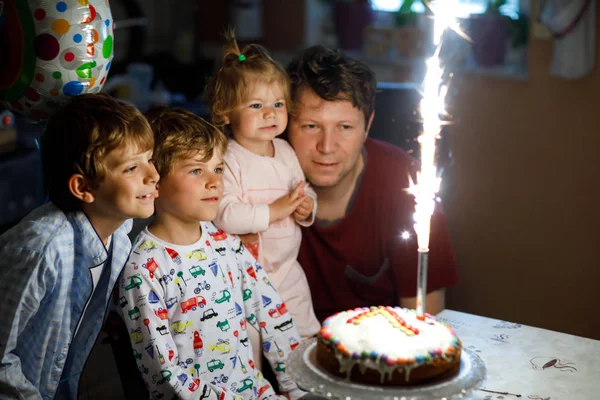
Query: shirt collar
87,242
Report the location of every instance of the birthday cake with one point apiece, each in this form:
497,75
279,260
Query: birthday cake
387,346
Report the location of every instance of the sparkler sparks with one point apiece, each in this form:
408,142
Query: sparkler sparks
432,106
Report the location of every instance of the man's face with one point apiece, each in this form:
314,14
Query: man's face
128,188
328,137
192,190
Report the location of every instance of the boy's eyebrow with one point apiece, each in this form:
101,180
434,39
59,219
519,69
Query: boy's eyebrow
126,159
191,163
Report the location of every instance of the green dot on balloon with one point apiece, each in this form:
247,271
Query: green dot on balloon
107,47
85,70
56,75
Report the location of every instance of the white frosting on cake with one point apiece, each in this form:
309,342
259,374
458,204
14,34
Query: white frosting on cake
387,339
376,334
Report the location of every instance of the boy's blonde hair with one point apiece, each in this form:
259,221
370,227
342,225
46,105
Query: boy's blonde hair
240,69
78,138
179,133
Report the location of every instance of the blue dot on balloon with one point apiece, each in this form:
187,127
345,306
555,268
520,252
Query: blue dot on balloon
61,6
73,88
77,38
107,65
107,22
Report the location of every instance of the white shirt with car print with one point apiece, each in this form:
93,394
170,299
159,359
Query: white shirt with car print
186,310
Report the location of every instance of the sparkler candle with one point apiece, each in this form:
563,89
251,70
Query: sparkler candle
428,183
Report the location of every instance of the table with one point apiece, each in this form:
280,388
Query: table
533,363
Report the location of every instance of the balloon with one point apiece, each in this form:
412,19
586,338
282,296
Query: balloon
51,50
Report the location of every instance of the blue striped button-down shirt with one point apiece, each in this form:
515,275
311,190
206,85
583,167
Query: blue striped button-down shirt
46,282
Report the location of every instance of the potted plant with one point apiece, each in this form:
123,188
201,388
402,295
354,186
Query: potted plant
405,16
350,18
490,33
413,31
519,31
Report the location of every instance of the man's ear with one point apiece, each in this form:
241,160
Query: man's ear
79,187
369,124
226,120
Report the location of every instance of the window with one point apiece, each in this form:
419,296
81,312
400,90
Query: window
463,7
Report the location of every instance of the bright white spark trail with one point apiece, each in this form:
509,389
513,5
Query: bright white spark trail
428,182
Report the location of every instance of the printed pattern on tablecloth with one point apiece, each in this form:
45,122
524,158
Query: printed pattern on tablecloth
533,363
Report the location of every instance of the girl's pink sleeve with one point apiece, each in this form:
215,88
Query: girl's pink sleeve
236,216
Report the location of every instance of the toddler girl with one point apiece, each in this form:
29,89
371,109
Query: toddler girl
265,192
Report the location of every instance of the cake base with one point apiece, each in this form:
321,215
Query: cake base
328,360
306,371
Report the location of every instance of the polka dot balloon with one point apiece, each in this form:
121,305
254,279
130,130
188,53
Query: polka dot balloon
52,50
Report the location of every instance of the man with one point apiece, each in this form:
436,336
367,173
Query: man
354,254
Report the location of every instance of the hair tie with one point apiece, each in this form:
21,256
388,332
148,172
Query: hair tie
241,58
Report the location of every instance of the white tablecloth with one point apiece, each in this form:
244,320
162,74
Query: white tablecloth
533,363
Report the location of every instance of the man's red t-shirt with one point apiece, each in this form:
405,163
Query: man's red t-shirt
362,259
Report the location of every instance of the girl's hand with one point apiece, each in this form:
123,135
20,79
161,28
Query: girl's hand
284,206
304,210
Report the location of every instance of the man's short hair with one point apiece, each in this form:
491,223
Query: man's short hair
333,77
78,138
180,133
